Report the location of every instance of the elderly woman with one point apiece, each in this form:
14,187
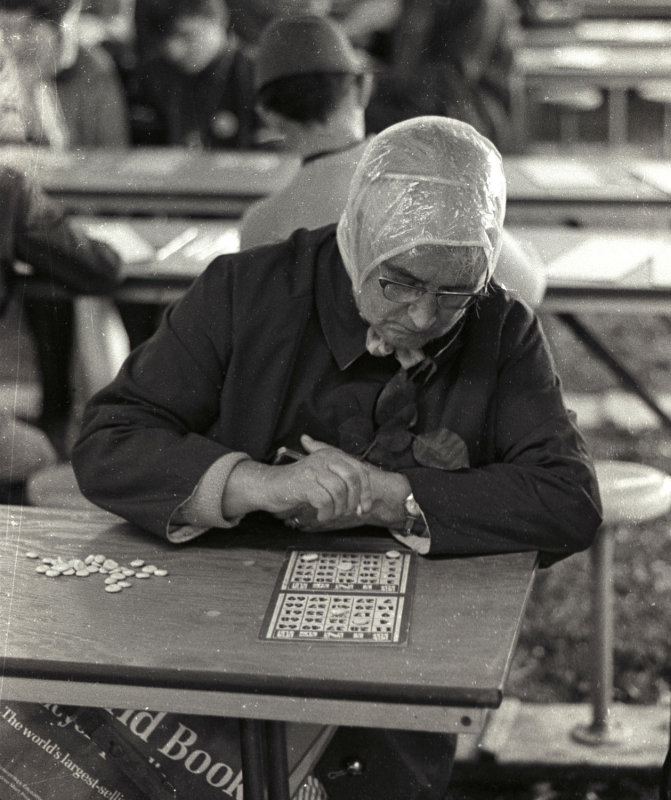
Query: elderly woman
418,395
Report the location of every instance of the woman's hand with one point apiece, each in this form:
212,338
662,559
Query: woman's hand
327,489
388,491
325,486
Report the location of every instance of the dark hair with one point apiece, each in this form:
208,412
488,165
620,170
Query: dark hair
306,98
157,17
49,10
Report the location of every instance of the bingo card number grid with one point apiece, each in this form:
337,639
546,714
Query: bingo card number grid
336,596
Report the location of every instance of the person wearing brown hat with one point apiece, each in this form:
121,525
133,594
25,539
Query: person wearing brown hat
312,89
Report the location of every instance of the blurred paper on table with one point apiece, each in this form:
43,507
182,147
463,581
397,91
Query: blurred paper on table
560,175
194,255
654,174
581,57
608,259
121,237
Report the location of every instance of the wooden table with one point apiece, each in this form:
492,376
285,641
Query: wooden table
601,270
160,281
154,180
190,642
611,32
597,188
629,9
601,188
588,287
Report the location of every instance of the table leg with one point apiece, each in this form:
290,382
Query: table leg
519,111
591,342
278,769
252,737
617,116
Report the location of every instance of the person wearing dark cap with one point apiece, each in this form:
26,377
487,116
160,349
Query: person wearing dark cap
194,82
312,88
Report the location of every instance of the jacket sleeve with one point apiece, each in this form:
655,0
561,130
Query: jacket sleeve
144,441
538,491
57,251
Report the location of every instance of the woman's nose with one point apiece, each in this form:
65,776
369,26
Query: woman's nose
423,311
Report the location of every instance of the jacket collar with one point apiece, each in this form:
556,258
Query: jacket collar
343,328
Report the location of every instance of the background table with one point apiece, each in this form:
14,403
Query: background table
600,188
615,69
589,289
586,283
154,180
627,8
190,642
611,32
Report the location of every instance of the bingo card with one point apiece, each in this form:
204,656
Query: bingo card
338,596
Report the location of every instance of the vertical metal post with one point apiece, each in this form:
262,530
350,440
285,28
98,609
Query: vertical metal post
602,614
617,115
278,769
602,730
253,767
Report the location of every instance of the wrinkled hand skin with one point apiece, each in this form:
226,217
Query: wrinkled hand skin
338,491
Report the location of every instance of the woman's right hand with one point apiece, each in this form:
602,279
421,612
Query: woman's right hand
327,483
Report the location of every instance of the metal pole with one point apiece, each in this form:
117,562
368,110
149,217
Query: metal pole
251,748
602,611
278,770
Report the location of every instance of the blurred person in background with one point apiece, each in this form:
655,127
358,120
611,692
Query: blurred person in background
312,91
71,97
74,94
369,23
453,58
193,83
13,114
110,24
250,17
34,231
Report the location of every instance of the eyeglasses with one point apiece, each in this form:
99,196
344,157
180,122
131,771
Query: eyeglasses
399,292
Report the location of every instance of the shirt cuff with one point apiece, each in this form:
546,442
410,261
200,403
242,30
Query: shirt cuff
202,510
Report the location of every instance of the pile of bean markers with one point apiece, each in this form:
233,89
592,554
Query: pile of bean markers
117,576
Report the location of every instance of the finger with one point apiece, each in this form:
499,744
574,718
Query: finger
333,503
312,445
366,496
352,478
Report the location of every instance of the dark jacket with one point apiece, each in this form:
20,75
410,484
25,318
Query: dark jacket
265,337
213,109
34,230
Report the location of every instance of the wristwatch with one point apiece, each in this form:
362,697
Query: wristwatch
414,521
